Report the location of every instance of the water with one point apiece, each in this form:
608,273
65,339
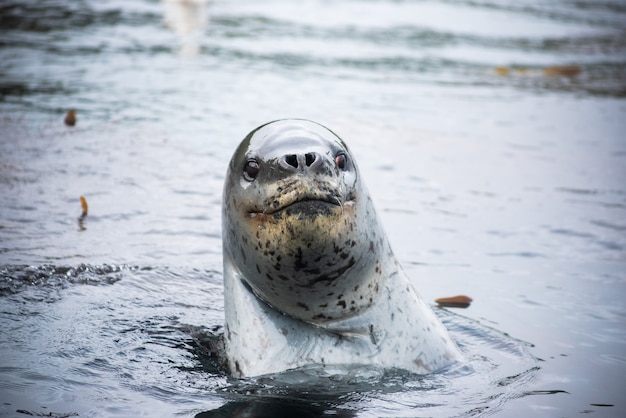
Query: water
494,177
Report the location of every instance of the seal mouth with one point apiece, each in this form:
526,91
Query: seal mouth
304,204
310,207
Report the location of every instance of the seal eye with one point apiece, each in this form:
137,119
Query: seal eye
251,170
341,160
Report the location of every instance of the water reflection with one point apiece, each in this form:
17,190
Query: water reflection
188,18
275,408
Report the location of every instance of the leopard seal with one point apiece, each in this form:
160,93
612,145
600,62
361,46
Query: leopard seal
309,276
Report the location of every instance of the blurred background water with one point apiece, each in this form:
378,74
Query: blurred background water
491,134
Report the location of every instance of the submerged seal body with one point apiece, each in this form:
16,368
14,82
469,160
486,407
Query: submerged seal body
309,277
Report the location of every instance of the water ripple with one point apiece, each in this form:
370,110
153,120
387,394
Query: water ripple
135,334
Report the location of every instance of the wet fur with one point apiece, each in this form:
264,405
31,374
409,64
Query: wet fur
309,277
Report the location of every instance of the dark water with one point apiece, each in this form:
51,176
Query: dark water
492,136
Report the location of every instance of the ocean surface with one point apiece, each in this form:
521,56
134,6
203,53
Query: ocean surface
491,135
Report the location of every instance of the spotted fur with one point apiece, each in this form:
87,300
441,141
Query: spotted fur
309,276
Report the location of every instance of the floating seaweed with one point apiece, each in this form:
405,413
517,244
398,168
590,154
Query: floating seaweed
460,301
70,117
83,215
551,71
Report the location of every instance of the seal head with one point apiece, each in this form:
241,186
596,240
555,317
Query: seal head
292,221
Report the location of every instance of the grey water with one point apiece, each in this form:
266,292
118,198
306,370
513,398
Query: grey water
491,135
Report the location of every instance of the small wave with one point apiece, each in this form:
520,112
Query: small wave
498,368
13,278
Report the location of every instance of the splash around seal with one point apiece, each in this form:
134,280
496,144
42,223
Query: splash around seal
309,277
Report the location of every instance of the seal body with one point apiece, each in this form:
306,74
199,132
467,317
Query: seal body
309,277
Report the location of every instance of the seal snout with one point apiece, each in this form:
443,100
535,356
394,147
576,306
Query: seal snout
303,162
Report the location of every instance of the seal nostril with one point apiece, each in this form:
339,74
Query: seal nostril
309,158
292,160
